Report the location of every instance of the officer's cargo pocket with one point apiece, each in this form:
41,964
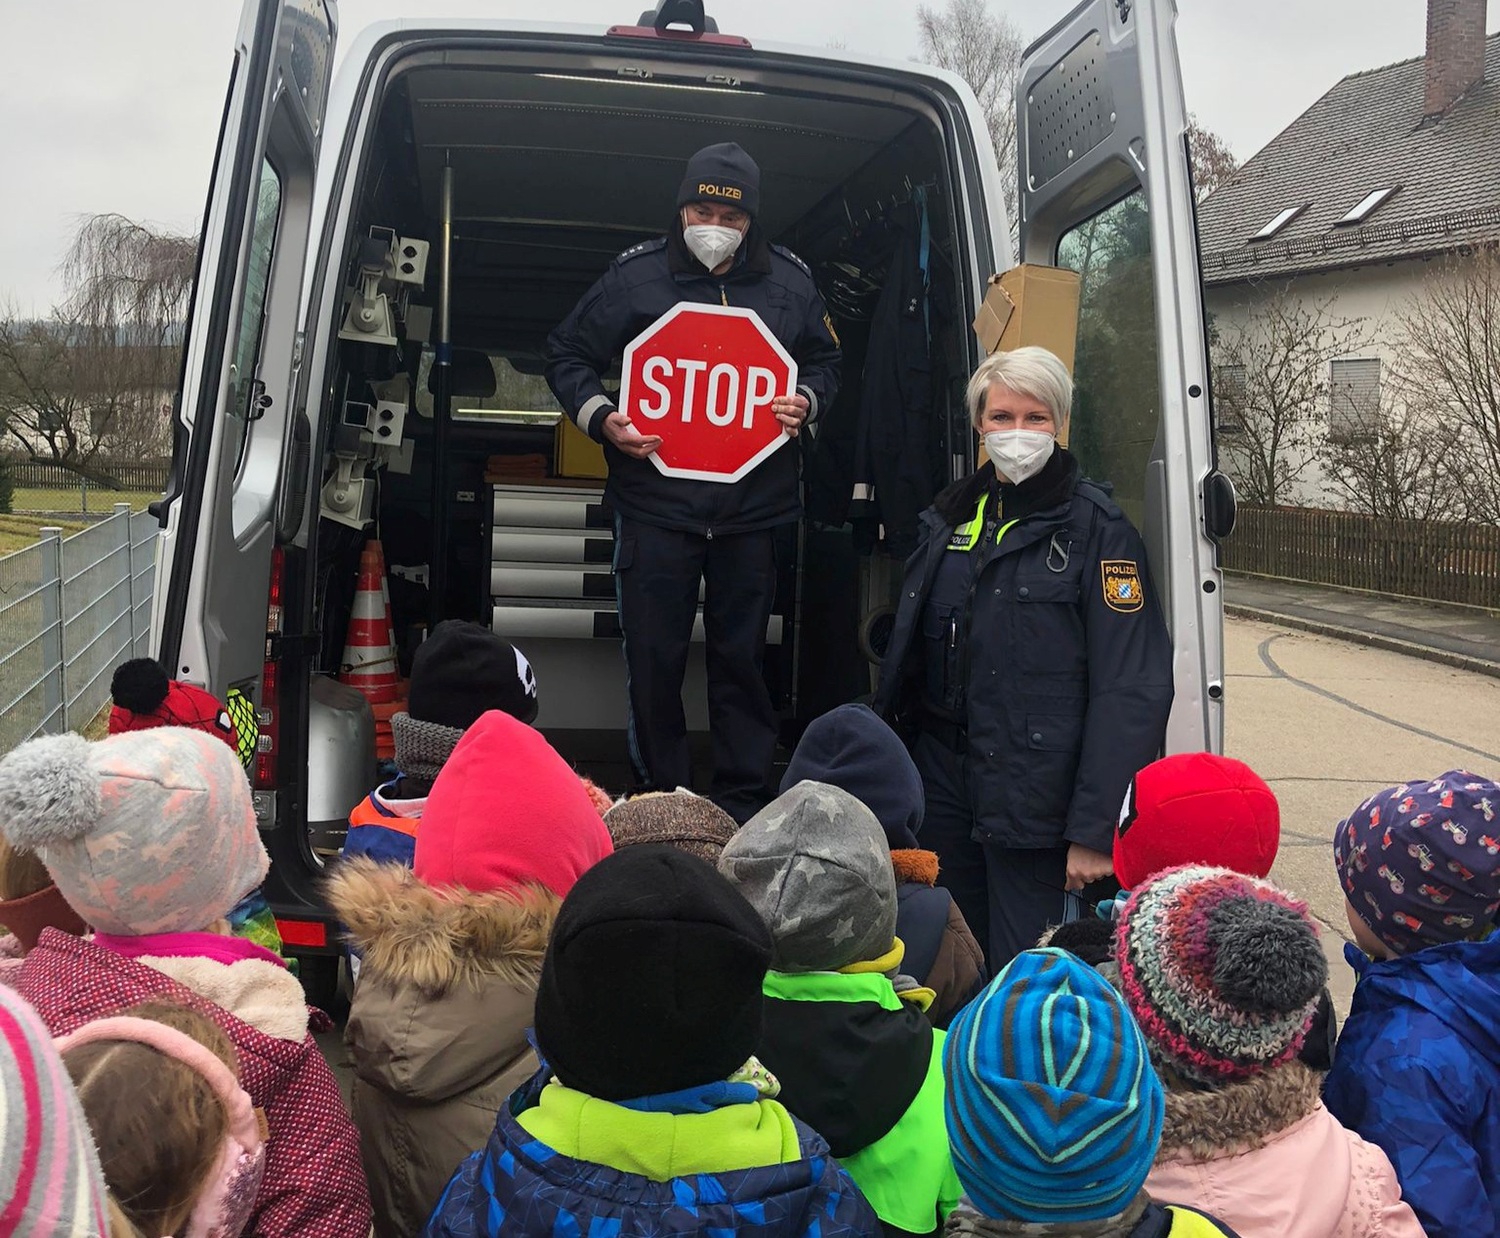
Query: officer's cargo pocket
1054,732
940,654
1049,766
624,554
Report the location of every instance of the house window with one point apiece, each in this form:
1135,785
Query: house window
1278,221
1354,399
1367,206
1229,399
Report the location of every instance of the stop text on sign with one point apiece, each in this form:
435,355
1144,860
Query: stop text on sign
704,378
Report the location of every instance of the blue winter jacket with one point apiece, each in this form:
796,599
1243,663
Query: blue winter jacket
517,1185
1417,1071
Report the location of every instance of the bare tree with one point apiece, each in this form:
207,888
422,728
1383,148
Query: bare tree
984,48
1212,161
1402,469
1451,339
1271,390
94,377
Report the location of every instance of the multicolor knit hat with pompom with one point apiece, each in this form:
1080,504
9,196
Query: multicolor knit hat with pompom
1222,972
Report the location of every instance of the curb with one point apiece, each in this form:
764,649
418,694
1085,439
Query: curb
1459,661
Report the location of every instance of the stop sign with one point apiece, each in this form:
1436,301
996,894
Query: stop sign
703,378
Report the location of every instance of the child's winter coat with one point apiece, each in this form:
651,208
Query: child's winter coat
438,1026
1418,1073
569,1164
313,1185
1143,1219
1264,1156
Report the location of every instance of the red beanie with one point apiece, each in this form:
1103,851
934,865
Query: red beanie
1196,808
182,705
506,810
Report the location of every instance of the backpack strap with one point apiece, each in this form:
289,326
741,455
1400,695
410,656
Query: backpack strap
1190,1223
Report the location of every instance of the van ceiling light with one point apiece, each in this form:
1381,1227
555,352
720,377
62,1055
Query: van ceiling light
1367,206
660,85
1278,222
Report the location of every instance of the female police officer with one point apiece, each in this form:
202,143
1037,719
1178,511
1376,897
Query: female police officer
1030,660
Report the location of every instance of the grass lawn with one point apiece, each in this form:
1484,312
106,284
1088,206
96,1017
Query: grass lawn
20,531
100,500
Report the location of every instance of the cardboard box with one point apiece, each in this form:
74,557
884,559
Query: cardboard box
576,454
1031,305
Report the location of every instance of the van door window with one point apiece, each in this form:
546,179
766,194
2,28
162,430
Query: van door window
1117,384
246,354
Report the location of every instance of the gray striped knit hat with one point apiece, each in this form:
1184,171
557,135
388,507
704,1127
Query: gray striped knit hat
1222,971
51,1185
1053,1110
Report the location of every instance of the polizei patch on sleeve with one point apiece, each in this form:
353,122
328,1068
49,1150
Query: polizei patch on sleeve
1122,585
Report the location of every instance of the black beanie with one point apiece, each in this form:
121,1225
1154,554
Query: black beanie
652,980
852,749
463,670
722,173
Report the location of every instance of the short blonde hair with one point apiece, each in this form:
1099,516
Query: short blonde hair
1031,371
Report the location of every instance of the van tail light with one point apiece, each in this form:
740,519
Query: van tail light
302,933
269,743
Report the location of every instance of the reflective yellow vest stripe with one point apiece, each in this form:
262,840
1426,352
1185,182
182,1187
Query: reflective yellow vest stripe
966,536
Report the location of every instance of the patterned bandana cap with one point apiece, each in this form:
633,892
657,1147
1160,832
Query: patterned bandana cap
1223,972
1053,1110
145,832
815,865
51,1185
1420,863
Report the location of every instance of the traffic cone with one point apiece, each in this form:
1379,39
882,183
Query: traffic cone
369,662
385,589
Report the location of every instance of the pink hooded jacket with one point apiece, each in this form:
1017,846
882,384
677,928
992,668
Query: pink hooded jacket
1266,1158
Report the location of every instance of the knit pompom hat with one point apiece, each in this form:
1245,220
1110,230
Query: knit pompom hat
677,818
144,832
1054,1113
51,1185
1222,972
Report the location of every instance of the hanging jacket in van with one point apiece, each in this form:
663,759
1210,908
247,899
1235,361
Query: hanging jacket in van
1418,1073
314,1186
616,1172
639,287
865,1070
437,1030
1058,663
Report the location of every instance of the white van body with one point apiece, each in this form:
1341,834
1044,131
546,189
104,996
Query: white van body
565,145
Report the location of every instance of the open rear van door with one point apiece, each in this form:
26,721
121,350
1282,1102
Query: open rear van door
1105,189
241,432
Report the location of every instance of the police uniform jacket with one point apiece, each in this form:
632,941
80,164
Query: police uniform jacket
1029,640
642,284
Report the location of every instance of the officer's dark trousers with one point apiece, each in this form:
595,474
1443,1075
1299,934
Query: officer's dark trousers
1009,895
657,572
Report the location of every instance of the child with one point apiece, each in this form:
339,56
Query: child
452,953
1054,1112
1203,809
651,1117
1418,1065
677,818
143,699
178,1139
29,902
51,1185
857,1059
1223,973
151,837
850,747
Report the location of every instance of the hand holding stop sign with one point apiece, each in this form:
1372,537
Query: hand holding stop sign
706,392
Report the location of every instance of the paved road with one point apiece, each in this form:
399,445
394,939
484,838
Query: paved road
1327,723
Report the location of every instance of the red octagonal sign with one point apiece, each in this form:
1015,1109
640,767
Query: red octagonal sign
703,378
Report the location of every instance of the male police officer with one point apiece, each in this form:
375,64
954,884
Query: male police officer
671,532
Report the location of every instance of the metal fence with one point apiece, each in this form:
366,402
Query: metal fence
71,610
1439,560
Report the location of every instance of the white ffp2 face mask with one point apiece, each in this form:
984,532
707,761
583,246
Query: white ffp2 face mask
1019,454
711,244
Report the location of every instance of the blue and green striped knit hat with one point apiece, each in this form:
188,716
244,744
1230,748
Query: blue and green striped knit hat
1054,1111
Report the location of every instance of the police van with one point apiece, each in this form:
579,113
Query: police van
384,253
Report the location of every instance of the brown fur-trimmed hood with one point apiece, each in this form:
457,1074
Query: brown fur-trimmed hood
915,865
1205,1125
411,934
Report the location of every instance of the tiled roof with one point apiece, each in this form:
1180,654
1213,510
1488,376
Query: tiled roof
1363,135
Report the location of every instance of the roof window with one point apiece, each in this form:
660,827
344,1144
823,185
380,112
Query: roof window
1278,222
1367,206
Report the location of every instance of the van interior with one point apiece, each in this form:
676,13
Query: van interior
556,168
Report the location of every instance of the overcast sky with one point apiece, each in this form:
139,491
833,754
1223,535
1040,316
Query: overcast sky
113,105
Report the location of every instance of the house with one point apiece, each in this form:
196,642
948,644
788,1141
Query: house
1332,236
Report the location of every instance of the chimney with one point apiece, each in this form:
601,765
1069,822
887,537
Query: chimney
1455,52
